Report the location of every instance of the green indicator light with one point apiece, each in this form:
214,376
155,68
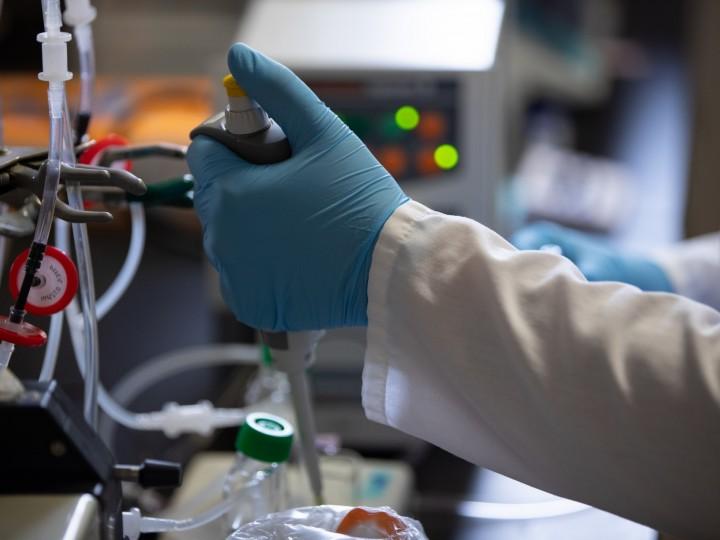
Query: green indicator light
407,117
446,156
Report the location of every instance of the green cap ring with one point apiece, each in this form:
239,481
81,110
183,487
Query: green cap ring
265,437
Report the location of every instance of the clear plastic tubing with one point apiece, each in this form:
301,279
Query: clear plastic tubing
150,525
135,522
154,371
80,14
54,62
51,349
132,261
87,288
164,366
54,45
78,11
87,300
129,268
77,338
167,364
108,300
56,97
158,369
84,42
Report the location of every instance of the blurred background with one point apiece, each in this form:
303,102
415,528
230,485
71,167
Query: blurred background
596,114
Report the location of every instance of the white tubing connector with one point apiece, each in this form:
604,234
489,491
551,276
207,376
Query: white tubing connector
201,418
79,12
132,524
54,54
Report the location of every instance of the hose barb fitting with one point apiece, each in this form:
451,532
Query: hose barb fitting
54,47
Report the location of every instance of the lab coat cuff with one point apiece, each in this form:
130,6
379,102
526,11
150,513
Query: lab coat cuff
379,351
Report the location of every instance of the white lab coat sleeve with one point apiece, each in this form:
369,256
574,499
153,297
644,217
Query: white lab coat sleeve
693,267
597,392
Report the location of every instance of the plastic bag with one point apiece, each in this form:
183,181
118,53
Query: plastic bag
332,523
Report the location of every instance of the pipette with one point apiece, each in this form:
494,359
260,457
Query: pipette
293,353
245,128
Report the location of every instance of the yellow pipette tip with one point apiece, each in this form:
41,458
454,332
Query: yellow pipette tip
232,88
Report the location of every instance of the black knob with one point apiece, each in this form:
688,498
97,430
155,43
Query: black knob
153,473
160,474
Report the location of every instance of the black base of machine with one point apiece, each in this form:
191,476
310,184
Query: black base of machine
48,448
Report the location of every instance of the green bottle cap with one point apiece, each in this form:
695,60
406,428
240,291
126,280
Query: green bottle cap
265,437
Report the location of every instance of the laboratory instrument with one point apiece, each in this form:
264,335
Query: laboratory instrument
74,473
53,459
50,455
428,107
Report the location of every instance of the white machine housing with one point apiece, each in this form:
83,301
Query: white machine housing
407,47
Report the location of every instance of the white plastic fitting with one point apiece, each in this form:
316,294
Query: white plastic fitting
134,523
201,418
79,12
54,51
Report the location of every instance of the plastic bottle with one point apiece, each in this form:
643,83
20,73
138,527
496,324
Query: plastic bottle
257,480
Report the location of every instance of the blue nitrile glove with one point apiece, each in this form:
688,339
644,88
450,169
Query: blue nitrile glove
292,241
596,261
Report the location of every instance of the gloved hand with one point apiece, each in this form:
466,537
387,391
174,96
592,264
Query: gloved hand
292,241
596,261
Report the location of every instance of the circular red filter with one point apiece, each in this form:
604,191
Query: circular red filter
56,282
